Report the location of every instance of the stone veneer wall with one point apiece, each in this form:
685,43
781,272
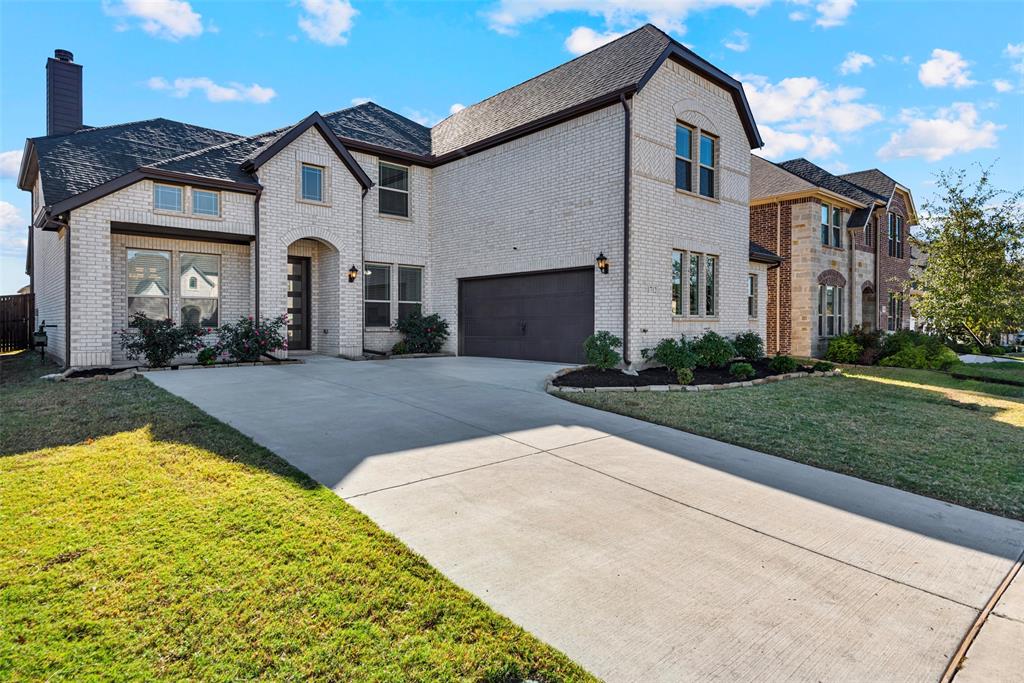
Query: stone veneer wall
892,272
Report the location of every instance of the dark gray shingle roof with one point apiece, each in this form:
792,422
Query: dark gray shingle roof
759,253
822,178
873,181
375,125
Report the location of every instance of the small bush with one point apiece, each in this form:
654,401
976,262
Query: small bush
742,370
207,356
869,356
900,340
159,341
844,349
246,341
822,366
423,333
713,350
994,350
868,339
783,364
399,348
600,349
684,375
674,354
924,357
749,346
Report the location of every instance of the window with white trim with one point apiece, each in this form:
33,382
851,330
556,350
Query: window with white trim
896,236
377,295
148,280
168,197
837,227
205,202
830,310
707,165
312,183
410,291
393,197
752,295
200,288
684,157
694,284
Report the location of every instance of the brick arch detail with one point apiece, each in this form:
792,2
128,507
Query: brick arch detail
866,286
688,110
309,233
832,277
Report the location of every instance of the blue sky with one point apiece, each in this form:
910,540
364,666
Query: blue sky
910,88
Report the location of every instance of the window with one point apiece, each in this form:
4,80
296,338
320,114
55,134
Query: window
394,190
892,234
895,312
167,197
830,310
684,157
837,227
752,295
377,295
200,289
149,283
707,165
824,224
869,231
205,203
694,280
410,291
312,183
899,236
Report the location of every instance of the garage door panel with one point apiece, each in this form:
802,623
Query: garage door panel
542,316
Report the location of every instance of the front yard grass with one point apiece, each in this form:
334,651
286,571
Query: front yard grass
917,430
141,539
999,371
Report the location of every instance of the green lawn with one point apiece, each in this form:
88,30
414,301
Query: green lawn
1003,372
141,539
918,430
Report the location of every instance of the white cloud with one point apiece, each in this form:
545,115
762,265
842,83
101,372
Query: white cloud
954,129
855,62
833,13
798,16
1015,52
168,19
327,21
802,114
945,68
738,41
356,101
13,229
456,108
1001,85
10,163
670,15
232,92
583,39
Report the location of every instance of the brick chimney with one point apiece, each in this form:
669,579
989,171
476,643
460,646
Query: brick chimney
63,93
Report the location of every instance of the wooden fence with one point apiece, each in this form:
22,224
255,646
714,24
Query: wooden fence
16,323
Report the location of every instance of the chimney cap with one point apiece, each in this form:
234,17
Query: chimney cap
63,55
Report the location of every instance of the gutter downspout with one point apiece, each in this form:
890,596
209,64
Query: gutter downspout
256,252
878,287
362,262
626,170
778,279
67,294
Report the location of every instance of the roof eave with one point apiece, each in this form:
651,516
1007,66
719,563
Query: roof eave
29,166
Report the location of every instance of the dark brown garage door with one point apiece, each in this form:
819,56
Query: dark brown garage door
538,316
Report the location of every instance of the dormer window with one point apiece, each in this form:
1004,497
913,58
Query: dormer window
168,197
394,190
312,183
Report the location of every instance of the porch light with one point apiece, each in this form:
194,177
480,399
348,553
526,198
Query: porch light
352,273
602,263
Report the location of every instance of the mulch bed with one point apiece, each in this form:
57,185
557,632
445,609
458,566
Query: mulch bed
94,372
591,377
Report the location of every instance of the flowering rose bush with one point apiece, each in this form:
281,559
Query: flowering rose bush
247,341
159,341
423,333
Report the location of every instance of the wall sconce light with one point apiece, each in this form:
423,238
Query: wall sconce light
602,263
353,272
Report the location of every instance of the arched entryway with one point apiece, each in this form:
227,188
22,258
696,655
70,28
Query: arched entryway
868,307
313,276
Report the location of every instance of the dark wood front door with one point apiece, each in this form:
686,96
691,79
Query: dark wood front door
298,303
532,316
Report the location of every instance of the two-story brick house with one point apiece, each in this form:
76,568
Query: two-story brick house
845,249
637,153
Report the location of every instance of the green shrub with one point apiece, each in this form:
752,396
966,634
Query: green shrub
923,357
247,341
684,375
749,345
399,348
159,341
674,354
994,350
844,349
600,349
713,350
742,370
900,340
822,366
207,356
868,339
783,364
423,333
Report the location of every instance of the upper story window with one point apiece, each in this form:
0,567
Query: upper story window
684,157
870,230
694,284
205,202
312,183
168,197
896,237
837,227
707,165
394,190
831,226
825,218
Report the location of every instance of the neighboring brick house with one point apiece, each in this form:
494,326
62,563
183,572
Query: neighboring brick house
637,152
844,241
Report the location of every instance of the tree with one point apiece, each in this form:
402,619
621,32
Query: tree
973,277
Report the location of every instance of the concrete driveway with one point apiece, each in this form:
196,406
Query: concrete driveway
642,552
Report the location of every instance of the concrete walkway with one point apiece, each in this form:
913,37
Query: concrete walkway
642,552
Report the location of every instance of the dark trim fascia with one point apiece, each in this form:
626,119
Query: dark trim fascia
388,154
146,230
314,120
198,181
763,258
627,163
29,166
689,59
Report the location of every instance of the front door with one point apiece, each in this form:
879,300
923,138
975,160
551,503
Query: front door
298,303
